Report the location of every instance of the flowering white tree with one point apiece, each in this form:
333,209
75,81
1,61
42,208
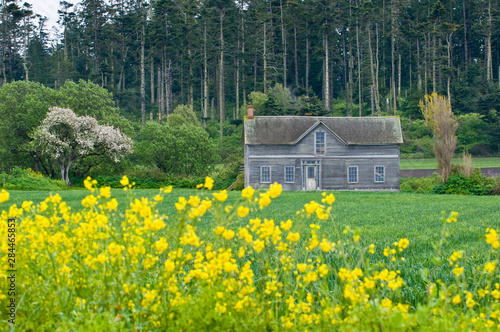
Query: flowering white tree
66,137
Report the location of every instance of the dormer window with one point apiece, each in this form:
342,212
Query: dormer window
320,143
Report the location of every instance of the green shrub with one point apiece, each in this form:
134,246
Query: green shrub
476,184
26,179
420,185
178,151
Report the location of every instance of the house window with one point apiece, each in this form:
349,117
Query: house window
265,174
352,174
379,173
289,174
320,143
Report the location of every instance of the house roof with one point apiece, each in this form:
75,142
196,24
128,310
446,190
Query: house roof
279,130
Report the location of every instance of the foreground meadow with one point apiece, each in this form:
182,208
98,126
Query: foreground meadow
203,260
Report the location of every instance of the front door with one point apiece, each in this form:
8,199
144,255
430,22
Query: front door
311,178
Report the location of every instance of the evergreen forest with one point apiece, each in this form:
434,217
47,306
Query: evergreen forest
285,57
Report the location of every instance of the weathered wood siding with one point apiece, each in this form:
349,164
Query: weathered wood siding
333,165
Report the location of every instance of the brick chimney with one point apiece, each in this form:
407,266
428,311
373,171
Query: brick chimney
250,112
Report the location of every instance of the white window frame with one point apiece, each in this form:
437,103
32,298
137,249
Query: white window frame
261,169
292,175
316,143
375,174
357,174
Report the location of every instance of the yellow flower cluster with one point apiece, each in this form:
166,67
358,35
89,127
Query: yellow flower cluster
492,238
149,270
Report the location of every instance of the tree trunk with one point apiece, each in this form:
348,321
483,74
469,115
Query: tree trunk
360,83
326,77
434,63
307,57
191,78
264,59
68,165
489,63
205,78
419,74
283,42
393,67
243,60
466,45
143,80
399,74
237,83
346,78
375,96
159,93
152,86
295,58
449,41
221,77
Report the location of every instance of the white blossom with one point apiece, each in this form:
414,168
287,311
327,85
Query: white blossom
65,136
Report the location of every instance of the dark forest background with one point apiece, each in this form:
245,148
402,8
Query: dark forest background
340,58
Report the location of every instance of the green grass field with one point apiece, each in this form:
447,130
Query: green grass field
382,218
430,163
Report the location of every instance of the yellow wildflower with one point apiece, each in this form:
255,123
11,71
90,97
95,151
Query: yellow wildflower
105,192
221,196
101,258
181,204
325,246
286,225
247,192
275,190
386,303
194,201
219,230
161,245
302,267
489,267
124,181
330,199
209,183
293,237
323,270
89,201
258,245
403,243
65,269
453,217
87,183
311,207
492,238
457,299
228,234
458,271
243,211
112,204
169,265
115,249
320,213
27,205
264,200
455,256
371,250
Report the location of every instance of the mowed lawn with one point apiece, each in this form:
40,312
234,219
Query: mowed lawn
382,218
430,163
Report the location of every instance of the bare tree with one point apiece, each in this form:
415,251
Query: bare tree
443,123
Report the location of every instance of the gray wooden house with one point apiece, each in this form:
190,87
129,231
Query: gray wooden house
322,153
